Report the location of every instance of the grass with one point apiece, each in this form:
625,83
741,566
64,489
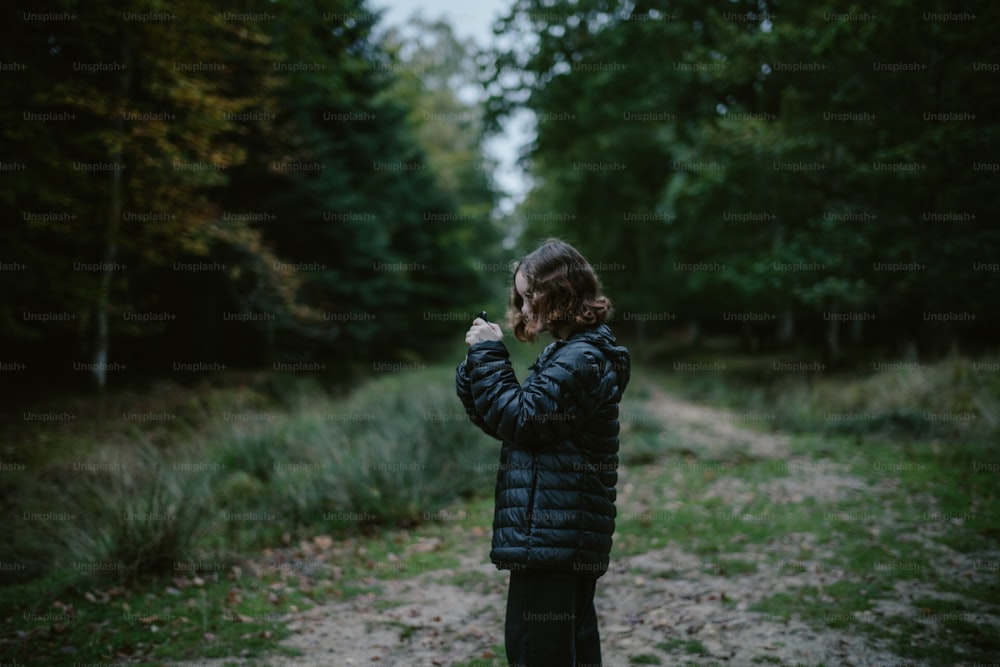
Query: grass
493,660
955,397
180,617
325,498
925,508
931,498
392,456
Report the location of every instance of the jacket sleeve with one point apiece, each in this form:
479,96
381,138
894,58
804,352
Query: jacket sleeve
550,406
463,387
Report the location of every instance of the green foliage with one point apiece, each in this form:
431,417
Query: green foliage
952,397
116,520
155,621
393,454
137,524
262,187
436,77
742,157
377,226
685,645
118,144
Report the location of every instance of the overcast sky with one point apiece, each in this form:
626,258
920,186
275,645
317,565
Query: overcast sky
469,18
472,19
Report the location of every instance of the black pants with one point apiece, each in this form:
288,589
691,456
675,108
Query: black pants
551,621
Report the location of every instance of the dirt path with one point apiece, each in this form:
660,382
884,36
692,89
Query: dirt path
647,603
710,431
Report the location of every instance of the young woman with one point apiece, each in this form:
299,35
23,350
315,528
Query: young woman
555,491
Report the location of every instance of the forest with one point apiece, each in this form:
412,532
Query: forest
241,243
203,184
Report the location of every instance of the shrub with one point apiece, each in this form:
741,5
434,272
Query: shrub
397,449
136,521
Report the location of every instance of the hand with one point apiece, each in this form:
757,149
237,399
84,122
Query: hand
481,330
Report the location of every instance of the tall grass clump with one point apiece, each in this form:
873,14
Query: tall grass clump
134,518
407,449
28,549
956,397
393,453
951,398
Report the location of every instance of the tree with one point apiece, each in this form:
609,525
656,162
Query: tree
123,125
381,231
772,153
224,183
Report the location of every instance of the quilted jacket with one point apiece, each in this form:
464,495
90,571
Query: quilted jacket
555,485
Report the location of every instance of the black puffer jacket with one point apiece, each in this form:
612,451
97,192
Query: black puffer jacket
555,489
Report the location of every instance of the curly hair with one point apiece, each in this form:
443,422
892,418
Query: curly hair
563,290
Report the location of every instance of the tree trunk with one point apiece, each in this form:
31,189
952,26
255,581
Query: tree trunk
748,339
109,266
857,327
692,334
833,334
640,333
784,327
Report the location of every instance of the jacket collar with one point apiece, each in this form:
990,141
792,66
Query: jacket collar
599,336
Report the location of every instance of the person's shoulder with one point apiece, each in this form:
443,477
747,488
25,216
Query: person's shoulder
599,338
585,349
597,348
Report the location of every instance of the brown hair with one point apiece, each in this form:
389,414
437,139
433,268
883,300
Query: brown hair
563,290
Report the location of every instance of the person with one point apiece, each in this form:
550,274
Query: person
554,513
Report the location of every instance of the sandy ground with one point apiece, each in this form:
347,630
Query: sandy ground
663,596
